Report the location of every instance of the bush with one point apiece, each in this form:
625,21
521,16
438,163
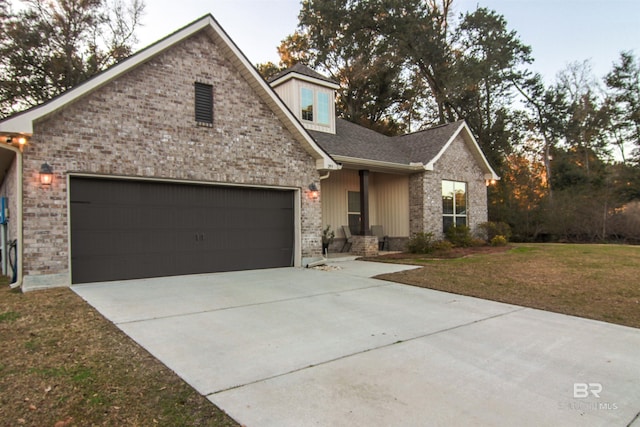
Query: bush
460,236
442,246
492,229
421,243
499,240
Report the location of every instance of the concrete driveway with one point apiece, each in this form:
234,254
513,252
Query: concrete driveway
297,347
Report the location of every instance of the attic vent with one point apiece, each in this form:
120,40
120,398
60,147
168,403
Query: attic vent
204,104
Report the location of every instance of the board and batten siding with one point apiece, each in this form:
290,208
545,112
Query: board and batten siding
290,91
388,201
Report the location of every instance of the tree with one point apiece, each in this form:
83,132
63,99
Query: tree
49,47
545,118
623,99
346,41
487,63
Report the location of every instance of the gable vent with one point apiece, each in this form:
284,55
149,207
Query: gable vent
204,104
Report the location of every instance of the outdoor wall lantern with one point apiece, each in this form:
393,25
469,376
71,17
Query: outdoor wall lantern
313,191
21,140
46,174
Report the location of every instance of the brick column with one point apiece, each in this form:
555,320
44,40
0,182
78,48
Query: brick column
365,246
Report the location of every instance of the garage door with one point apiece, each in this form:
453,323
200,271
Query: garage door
123,229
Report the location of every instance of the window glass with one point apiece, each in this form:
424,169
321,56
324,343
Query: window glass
323,108
447,197
454,204
354,201
353,211
306,101
447,222
461,198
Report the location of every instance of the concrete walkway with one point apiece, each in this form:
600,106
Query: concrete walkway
296,347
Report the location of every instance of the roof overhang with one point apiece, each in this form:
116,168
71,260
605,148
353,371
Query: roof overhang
22,123
378,165
476,151
309,79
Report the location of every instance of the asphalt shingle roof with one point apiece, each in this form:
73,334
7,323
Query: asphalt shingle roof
303,70
352,140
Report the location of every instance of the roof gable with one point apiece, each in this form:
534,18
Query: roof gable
355,144
22,123
302,72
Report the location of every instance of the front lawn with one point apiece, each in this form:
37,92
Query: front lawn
599,282
63,364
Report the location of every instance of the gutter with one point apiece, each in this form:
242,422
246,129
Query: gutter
381,165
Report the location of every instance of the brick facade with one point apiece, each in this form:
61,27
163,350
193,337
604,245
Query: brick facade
142,125
364,245
425,190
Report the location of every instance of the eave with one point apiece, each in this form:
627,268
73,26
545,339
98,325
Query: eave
22,123
378,165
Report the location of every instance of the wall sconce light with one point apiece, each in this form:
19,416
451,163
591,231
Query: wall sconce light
313,191
46,174
490,182
21,140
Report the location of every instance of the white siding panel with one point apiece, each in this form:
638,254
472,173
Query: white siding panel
388,201
391,204
333,194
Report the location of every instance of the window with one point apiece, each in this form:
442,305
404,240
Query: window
353,211
204,104
323,108
307,104
454,204
312,101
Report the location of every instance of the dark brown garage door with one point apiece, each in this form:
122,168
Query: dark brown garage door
124,229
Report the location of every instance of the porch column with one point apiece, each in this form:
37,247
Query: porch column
364,202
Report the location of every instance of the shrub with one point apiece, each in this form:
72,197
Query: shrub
460,236
499,240
442,246
492,229
421,243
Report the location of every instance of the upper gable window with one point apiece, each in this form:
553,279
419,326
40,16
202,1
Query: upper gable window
323,108
204,104
315,106
306,102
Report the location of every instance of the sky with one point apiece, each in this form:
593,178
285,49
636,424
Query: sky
559,31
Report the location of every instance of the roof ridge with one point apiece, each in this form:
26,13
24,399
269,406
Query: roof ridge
431,128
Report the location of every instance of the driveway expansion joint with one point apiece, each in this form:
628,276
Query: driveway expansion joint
256,304
326,362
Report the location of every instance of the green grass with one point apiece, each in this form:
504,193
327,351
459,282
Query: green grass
9,316
595,281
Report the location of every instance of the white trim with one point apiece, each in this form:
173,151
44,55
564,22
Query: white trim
305,78
18,215
177,181
478,154
22,123
380,165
